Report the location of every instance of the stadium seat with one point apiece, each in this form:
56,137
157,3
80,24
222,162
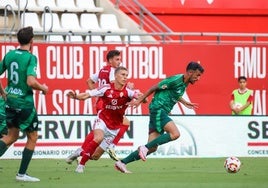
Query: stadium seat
68,5
88,6
90,22
109,22
12,3
31,5
51,4
31,19
51,20
70,22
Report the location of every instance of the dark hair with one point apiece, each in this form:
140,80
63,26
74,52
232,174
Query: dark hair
194,66
111,54
119,69
25,35
241,78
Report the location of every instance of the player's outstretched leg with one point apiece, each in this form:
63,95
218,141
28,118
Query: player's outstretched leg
73,156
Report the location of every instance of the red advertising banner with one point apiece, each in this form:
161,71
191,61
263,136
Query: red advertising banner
65,67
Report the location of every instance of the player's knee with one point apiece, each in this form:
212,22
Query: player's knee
175,135
98,139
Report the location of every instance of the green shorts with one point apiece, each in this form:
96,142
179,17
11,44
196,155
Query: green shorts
23,119
158,119
3,125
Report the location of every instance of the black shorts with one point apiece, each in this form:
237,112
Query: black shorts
23,119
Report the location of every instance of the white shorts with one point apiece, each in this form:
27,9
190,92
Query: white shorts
109,134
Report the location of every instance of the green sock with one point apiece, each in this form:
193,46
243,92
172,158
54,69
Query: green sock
162,139
3,148
26,158
132,157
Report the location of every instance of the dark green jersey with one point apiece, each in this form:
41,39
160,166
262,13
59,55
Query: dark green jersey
169,91
19,64
2,108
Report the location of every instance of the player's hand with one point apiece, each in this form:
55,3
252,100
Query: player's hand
71,94
191,105
45,89
130,85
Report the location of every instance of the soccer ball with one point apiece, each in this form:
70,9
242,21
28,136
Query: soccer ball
232,164
237,105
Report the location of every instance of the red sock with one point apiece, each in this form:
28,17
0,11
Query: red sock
88,151
87,140
84,159
120,134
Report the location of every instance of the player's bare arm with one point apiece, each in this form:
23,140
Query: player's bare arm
237,110
2,91
90,83
144,97
80,96
33,83
188,104
141,95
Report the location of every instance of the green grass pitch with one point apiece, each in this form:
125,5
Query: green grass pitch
155,173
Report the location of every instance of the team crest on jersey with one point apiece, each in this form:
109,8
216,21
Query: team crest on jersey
164,86
121,94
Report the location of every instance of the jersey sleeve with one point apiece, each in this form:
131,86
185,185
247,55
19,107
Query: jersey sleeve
94,77
250,97
32,67
99,92
133,93
232,96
